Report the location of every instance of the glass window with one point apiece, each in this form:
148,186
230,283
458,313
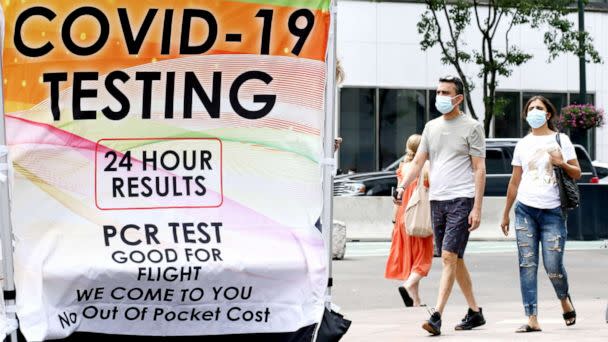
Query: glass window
433,112
401,115
602,172
559,100
357,129
496,162
507,122
583,160
394,165
574,98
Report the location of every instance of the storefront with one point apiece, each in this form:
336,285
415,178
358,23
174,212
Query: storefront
389,89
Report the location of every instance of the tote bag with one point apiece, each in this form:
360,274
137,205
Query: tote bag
417,216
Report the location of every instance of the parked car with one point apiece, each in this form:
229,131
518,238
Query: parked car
602,171
499,153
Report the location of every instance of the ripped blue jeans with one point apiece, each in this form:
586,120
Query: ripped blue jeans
547,227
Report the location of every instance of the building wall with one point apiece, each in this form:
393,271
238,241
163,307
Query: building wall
378,45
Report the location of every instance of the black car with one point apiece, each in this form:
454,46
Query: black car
602,171
499,153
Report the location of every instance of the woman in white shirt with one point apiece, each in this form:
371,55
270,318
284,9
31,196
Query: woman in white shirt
539,218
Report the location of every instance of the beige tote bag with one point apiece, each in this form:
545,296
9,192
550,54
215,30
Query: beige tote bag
417,216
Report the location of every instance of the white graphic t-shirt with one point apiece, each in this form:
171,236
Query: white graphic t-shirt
538,187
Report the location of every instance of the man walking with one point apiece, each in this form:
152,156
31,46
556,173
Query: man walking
455,146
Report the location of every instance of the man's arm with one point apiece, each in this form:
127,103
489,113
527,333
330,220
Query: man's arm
413,172
479,169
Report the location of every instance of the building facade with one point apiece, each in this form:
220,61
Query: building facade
389,89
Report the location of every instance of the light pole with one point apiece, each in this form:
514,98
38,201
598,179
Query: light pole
581,62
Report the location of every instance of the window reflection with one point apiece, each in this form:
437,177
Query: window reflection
357,129
402,114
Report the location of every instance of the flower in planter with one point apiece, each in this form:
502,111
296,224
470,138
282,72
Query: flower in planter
580,117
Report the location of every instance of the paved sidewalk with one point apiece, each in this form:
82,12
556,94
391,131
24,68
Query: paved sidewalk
373,303
387,325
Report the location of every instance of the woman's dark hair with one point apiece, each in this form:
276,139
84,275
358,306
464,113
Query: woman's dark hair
550,109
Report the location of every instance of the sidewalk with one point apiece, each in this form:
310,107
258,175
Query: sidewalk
387,325
378,314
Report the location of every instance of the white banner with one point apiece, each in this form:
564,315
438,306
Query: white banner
167,165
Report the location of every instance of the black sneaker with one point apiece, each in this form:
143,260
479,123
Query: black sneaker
471,320
433,325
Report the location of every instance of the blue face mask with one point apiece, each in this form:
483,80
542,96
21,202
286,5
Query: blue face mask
444,104
536,118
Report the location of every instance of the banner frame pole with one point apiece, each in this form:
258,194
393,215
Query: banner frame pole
328,145
6,233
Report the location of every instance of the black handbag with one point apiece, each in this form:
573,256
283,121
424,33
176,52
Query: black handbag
333,327
569,194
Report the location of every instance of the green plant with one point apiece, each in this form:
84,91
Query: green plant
580,117
445,22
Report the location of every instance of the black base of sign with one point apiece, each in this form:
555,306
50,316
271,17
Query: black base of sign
303,335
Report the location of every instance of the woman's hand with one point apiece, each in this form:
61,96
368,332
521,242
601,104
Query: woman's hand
556,158
337,143
505,225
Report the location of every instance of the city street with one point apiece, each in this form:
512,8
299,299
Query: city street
377,312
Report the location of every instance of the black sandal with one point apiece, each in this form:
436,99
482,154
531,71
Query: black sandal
526,328
407,300
570,315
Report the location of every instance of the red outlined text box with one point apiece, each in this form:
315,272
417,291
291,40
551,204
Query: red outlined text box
213,177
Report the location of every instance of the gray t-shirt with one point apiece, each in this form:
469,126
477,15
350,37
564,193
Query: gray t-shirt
450,145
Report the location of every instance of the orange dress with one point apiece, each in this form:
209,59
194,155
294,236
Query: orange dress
408,253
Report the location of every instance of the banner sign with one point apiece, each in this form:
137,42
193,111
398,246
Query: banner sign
167,165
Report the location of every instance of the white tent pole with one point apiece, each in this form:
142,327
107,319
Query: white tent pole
328,145
6,235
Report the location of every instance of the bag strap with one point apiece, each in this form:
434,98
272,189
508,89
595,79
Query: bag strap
425,168
559,142
420,179
418,189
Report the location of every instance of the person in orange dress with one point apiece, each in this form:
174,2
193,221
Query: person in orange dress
410,257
